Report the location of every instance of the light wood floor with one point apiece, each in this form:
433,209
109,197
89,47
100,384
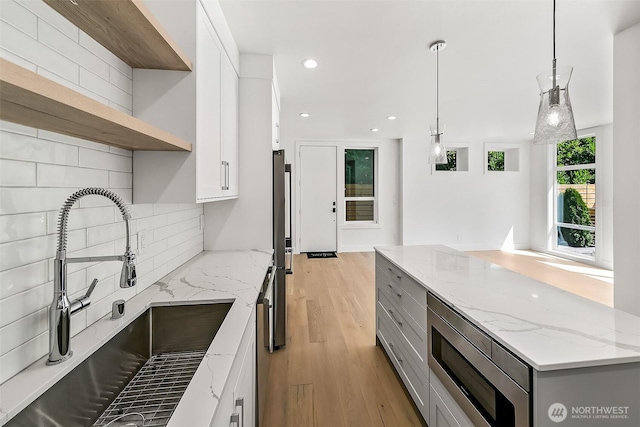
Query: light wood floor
582,279
331,373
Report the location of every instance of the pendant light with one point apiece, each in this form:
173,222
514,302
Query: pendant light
555,117
437,151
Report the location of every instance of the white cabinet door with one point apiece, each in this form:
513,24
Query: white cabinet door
229,88
208,110
244,391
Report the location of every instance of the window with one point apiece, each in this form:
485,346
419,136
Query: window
359,185
575,173
495,161
451,162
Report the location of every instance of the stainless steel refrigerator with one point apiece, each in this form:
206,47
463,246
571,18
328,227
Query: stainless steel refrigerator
281,244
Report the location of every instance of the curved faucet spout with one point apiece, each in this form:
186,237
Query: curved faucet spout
61,308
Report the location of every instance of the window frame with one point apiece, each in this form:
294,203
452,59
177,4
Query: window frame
376,187
556,223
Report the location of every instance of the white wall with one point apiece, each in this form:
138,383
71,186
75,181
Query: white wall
354,238
626,201
470,210
542,196
247,222
40,169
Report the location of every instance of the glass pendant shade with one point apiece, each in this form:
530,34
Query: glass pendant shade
437,151
555,121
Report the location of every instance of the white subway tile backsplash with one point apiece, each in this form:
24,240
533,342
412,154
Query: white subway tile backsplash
72,85
16,128
18,227
22,330
22,45
120,108
62,44
23,356
107,161
141,211
23,278
121,151
120,180
23,304
17,174
17,146
121,80
9,56
102,87
82,218
184,236
104,270
173,229
105,233
46,13
19,17
65,176
66,139
41,169
21,252
185,215
166,256
97,49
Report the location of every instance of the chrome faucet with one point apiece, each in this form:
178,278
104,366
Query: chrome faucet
61,308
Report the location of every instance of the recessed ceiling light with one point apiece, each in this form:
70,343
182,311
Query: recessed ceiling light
374,129
391,117
305,115
309,63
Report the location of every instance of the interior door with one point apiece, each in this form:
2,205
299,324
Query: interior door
318,176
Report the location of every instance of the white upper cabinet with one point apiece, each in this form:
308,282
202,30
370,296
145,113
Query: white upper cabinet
199,106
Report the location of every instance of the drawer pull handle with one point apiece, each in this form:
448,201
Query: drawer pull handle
394,353
399,277
394,318
398,294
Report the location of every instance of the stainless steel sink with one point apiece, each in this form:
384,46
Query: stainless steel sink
144,369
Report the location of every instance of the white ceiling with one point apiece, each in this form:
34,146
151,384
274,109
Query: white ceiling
374,61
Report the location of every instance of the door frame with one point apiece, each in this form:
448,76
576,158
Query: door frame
298,186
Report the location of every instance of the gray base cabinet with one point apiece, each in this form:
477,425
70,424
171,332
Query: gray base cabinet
401,322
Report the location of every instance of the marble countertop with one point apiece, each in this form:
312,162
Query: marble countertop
227,276
547,327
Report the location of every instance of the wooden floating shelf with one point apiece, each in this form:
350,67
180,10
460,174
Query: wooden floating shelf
32,100
128,29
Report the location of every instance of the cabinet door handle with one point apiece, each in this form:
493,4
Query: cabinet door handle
235,419
228,176
394,318
240,403
394,291
394,353
225,165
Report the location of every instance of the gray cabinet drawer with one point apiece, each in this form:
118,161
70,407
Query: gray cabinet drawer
415,336
397,289
415,381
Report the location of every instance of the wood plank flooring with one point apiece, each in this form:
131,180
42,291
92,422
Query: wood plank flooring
331,373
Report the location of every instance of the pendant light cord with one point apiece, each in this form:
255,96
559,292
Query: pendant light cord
437,91
554,45
554,30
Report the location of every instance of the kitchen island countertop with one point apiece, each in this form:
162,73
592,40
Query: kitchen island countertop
547,327
211,276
